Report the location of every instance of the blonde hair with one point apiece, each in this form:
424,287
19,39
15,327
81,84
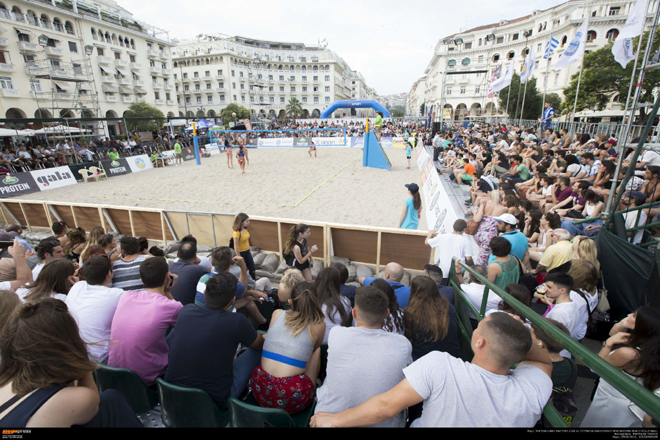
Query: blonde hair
305,309
585,249
291,277
585,275
495,196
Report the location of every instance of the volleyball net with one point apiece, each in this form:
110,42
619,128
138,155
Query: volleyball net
320,137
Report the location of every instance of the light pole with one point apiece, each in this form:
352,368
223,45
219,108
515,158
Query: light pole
527,34
185,103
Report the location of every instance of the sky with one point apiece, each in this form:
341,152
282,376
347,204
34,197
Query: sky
390,42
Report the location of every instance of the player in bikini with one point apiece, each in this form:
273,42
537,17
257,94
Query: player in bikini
312,147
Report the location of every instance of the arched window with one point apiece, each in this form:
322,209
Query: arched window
510,55
57,25
540,27
4,13
121,41
465,61
612,34
327,67
591,35
94,37
291,68
68,27
132,43
304,68
32,18
44,21
316,68
496,57
17,14
114,39
524,52
451,63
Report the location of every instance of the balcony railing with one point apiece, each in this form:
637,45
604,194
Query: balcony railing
3,42
159,101
127,99
168,87
167,71
110,98
136,66
28,47
53,51
121,63
156,85
103,59
125,82
153,53
154,69
170,102
6,67
9,93
108,80
220,89
138,83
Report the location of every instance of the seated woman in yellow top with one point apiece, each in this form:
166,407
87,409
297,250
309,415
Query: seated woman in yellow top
242,241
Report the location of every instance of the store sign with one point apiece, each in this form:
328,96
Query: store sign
17,184
51,178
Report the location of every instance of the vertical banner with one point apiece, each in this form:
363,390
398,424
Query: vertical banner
440,215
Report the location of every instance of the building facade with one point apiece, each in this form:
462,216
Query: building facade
77,59
416,98
459,71
213,71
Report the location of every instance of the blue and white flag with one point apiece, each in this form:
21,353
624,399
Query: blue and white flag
529,66
550,47
575,50
622,48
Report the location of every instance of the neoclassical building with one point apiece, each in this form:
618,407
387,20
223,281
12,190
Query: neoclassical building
458,74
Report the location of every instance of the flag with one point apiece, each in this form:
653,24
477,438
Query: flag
529,66
550,47
575,49
622,48
505,80
495,75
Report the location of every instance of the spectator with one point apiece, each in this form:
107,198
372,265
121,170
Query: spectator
290,278
474,291
291,356
55,280
561,307
584,293
241,237
141,321
461,394
126,270
22,271
393,274
560,252
46,376
585,249
451,246
436,274
48,250
59,232
592,209
188,273
395,321
75,245
336,308
93,303
204,344
430,320
93,251
9,302
506,226
16,230
364,361
505,268
344,289
95,236
298,252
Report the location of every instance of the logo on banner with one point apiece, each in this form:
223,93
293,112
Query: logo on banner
140,163
55,177
114,163
9,180
573,47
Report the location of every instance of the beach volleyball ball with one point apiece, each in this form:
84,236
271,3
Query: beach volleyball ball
233,114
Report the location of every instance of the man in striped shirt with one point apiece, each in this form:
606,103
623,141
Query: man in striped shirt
126,270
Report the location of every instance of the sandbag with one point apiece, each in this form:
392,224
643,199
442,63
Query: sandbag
352,273
259,259
270,263
317,267
363,271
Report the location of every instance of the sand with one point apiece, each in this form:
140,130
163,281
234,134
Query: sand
279,182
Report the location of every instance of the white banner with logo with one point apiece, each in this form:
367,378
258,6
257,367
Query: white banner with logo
440,215
139,163
53,178
212,149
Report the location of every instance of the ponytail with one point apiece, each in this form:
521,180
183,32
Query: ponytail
305,309
292,238
417,201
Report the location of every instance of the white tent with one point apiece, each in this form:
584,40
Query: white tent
60,129
5,132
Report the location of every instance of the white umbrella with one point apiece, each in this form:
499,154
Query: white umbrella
5,132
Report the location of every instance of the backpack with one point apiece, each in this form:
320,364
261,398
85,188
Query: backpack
288,258
231,240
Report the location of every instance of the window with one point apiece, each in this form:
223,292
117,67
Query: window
242,86
24,37
186,88
208,86
209,99
195,74
233,85
293,90
132,58
316,89
614,10
499,40
207,74
304,79
281,100
235,98
448,90
271,100
539,47
73,47
220,72
292,78
591,35
118,55
477,89
556,78
99,51
327,88
152,63
464,76
35,85
304,100
5,83
163,66
185,75
304,89
316,100
481,59
468,45
188,101
270,77
199,100
478,74
496,57
327,77
222,98
515,37
29,59
197,87
77,69
463,90
316,78
281,77
281,88
233,73
157,95
480,40
327,99
240,74
612,34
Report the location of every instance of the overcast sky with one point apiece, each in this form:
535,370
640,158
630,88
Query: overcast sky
389,41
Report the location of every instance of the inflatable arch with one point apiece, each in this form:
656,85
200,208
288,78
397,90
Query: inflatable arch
355,104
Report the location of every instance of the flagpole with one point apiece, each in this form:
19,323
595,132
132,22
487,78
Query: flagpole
632,80
545,81
577,92
528,74
508,95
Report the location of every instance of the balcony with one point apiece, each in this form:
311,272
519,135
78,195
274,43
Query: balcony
197,91
6,67
154,69
138,83
163,55
222,102
121,63
316,81
103,60
316,93
463,80
243,79
3,42
208,78
220,89
28,47
127,99
196,79
220,77
108,80
185,79
167,71
153,53
209,102
9,93
136,66
304,81
170,102
159,101
186,92
156,85
125,82
110,98
168,87
271,92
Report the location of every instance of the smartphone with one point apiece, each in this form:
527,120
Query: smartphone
171,281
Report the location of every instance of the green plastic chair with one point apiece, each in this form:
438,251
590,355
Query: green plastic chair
128,383
184,407
251,415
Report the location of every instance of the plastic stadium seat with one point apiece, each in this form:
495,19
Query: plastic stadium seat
250,415
98,172
85,173
128,383
184,407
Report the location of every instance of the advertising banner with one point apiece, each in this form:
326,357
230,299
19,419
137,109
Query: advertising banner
440,215
212,149
139,163
17,184
399,142
53,178
188,153
274,142
115,167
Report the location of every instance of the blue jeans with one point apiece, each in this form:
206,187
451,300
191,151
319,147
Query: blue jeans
243,366
249,262
578,229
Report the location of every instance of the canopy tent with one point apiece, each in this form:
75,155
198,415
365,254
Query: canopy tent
175,123
203,123
5,132
61,129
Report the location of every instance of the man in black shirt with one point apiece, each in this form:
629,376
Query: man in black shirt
188,272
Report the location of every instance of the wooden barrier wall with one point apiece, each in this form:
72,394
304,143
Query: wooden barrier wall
360,244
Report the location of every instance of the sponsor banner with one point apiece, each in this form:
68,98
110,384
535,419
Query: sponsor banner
274,142
188,153
385,142
139,163
399,142
440,216
330,141
212,149
17,184
51,178
115,167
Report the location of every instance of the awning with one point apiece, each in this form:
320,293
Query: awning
136,72
125,91
140,91
85,86
108,70
2,29
25,31
124,72
66,86
109,89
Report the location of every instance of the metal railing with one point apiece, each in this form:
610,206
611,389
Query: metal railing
644,398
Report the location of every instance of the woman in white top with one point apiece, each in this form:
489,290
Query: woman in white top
54,280
592,208
336,308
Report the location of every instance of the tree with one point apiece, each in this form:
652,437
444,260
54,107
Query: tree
241,113
421,109
603,78
294,108
397,113
533,99
141,109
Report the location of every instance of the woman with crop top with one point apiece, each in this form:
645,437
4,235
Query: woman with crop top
241,238
291,356
296,243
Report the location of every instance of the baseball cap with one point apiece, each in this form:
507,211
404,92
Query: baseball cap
507,218
635,195
413,188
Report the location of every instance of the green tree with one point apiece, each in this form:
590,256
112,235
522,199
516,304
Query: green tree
397,113
241,113
603,78
421,109
533,99
294,108
141,109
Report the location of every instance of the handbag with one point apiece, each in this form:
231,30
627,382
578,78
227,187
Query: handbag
574,214
603,303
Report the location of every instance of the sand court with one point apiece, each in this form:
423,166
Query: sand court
279,182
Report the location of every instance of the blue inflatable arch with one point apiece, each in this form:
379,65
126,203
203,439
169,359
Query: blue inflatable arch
356,105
